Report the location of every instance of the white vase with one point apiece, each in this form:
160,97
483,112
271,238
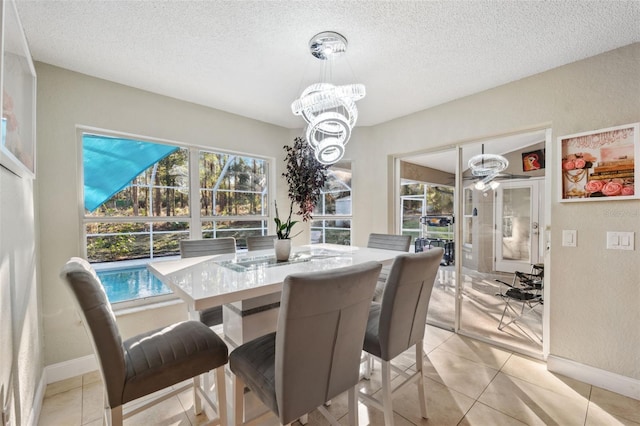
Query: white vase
282,248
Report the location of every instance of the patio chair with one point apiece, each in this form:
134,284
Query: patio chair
315,353
522,297
148,362
387,242
260,242
208,247
398,323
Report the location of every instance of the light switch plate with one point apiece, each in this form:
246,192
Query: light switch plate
621,240
569,238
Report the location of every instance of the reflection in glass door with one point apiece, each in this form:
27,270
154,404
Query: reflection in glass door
426,202
499,236
494,216
518,225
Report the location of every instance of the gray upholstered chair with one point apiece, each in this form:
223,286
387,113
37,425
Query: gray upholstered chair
260,242
315,353
387,242
398,322
150,361
208,247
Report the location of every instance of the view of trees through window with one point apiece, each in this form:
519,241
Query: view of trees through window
435,202
332,215
149,216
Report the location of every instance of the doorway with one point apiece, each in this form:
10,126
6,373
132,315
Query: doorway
497,232
519,211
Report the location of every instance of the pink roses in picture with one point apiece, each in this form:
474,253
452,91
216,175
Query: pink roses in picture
600,164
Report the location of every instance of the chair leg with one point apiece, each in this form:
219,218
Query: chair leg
422,391
386,393
353,406
304,419
221,390
238,403
114,416
197,402
367,366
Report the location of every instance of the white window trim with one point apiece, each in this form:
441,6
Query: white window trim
194,218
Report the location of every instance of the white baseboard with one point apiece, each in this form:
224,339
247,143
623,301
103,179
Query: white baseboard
67,369
594,376
34,414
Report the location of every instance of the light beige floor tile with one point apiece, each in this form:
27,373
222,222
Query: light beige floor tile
533,404
169,412
482,415
92,402
444,406
97,422
369,416
63,408
616,404
457,373
597,416
535,371
476,351
63,386
434,336
91,377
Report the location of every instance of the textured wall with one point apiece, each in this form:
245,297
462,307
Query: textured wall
66,100
595,293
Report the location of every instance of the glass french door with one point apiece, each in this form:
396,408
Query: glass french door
518,211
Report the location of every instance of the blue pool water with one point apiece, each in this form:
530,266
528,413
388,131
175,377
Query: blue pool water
131,283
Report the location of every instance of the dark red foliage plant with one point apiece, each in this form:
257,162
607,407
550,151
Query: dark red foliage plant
305,176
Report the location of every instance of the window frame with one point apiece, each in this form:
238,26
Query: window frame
194,219
335,217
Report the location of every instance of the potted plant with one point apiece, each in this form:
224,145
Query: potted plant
305,177
283,229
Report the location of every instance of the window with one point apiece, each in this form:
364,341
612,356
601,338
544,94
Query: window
233,196
332,215
432,202
138,199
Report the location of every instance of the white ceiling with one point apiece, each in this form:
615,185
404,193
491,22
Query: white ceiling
251,57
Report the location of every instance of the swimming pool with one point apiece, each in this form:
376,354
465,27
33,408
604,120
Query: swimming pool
130,283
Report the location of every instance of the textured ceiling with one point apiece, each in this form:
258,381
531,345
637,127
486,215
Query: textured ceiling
251,57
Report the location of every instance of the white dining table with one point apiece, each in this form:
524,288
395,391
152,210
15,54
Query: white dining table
248,284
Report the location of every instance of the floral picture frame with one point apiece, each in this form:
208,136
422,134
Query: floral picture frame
18,95
600,165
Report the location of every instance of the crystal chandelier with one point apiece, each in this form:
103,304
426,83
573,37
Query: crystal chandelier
487,167
330,111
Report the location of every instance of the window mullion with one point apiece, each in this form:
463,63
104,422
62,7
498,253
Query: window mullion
195,222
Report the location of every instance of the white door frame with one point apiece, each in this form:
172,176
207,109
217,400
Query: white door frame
535,225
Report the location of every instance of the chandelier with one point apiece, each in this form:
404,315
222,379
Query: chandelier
330,111
487,167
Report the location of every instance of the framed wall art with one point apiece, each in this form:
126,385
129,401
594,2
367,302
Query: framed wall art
533,160
18,77
600,165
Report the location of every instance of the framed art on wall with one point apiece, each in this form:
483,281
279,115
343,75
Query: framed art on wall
600,165
18,144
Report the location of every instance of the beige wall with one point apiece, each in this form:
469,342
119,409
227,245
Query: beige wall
66,100
595,293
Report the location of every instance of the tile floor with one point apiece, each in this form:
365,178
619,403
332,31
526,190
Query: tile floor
468,383
482,309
